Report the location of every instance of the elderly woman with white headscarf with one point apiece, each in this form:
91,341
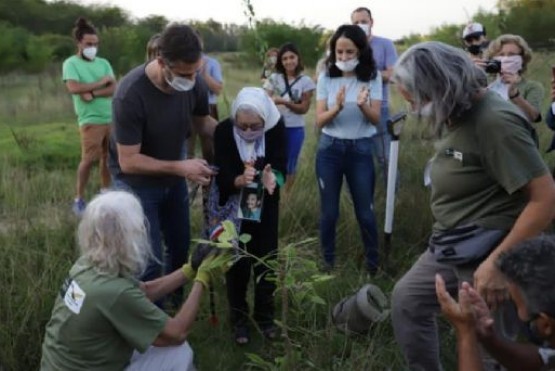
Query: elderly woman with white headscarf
249,150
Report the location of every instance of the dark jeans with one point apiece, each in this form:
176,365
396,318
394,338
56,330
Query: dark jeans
167,211
352,159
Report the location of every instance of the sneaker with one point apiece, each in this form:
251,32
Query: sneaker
78,206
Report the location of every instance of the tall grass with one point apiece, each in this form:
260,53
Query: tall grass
39,151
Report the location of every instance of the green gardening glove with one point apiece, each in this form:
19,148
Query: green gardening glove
213,266
188,271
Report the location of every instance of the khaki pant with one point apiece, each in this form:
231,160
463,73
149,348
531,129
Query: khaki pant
415,307
94,141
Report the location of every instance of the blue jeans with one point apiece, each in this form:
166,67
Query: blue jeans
167,211
382,143
352,159
295,139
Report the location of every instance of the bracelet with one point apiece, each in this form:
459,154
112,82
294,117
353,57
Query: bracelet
515,95
92,94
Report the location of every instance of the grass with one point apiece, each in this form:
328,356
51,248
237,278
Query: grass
39,152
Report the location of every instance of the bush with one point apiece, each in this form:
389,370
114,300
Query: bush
306,38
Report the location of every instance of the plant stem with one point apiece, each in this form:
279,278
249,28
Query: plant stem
285,308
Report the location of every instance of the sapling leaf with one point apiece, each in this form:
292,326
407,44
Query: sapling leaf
245,238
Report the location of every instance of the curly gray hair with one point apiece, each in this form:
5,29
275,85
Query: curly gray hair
441,74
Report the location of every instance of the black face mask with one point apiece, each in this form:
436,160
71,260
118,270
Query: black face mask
476,49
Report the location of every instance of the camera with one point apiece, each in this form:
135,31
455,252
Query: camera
493,66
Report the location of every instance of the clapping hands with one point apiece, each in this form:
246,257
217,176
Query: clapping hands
363,96
269,179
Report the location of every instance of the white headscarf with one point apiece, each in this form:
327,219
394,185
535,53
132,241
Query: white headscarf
257,100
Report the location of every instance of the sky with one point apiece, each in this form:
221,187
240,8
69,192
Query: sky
392,18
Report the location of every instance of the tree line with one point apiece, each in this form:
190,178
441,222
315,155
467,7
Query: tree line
534,20
36,33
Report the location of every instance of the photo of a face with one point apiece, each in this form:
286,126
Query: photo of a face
251,203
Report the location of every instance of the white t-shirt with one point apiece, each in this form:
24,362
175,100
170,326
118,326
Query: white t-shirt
299,85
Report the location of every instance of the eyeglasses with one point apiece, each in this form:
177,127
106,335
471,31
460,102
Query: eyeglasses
252,127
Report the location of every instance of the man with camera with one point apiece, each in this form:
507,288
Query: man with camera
475,41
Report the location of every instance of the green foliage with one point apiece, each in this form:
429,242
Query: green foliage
218,37
533,20
58,17
12,46
306,38
447,33
123,47
62,46
491,21
39,54
44,34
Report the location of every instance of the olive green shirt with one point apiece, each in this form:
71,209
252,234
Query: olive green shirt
97,322
532,92
481,165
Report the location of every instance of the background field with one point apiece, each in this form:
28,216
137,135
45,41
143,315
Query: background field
39,151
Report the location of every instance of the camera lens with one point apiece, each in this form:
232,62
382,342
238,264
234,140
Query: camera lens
493,66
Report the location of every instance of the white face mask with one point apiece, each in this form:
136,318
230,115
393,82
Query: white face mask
510,64
181,83
347,66
365,27
90,52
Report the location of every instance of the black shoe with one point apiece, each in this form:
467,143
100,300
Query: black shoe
270,332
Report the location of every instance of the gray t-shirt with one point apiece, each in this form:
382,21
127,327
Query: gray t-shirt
481,164
298,86
158,121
